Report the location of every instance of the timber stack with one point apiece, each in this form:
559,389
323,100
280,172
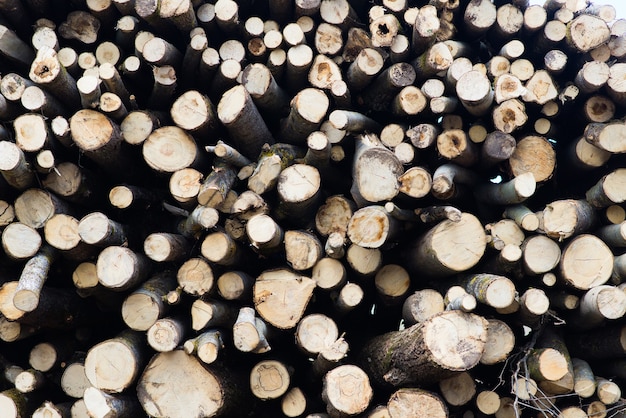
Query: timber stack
312,208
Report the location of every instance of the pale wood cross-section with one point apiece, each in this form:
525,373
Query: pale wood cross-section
281,296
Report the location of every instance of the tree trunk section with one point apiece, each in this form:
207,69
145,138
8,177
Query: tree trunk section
427,352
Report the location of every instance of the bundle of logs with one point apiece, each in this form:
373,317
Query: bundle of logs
312,208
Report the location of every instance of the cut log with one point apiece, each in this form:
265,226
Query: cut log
346,391
431,253
586,32
127,349
120,268
315,333
32,279
421,305
294,403
238,113
20,241
166,334
46,70
302,249
14,168
298,188
375,171
348,298
308,109
434,339
392,283
145,305
490,289
269,379
187,388
281,296
598,304
459,389
586,262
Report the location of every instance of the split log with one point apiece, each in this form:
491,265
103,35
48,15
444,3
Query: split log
207,313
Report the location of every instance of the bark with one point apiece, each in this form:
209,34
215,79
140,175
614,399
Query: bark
421,355
32,279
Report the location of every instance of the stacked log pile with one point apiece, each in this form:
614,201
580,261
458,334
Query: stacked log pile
312,208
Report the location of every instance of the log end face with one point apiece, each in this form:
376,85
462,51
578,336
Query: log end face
269,379
458,246
416,402
369,227
281,297
140,312
586,262
232,104
347,389
456,339
111,366
169,149
90,129
176,385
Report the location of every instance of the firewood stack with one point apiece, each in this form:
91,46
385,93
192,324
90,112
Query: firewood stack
312,208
